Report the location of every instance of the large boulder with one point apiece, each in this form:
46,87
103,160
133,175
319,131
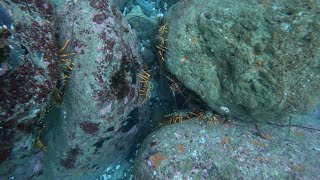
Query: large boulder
206,147
93,128
251,59
28,76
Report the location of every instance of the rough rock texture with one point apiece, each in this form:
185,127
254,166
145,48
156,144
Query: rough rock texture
146,29
138,20
250,58
94,128
216,150
28,51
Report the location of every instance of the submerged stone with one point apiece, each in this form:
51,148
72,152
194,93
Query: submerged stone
95,127
208,149
250,59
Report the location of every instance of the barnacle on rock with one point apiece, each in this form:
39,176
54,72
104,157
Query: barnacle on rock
144,80
38,142
65,69
63,57
162,41
176,119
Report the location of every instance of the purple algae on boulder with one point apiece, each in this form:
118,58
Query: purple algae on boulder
94,128
26,86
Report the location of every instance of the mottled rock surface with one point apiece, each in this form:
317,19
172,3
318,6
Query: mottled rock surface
94,128
28,52
251,59
210,149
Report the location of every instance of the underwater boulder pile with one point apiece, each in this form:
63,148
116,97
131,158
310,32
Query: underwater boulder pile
221,87
254,59
29,71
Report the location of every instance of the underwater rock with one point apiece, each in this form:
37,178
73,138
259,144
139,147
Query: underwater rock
148,56
95,127
250,59
146,29
209,149
122,3
146,6
139,21
29,71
